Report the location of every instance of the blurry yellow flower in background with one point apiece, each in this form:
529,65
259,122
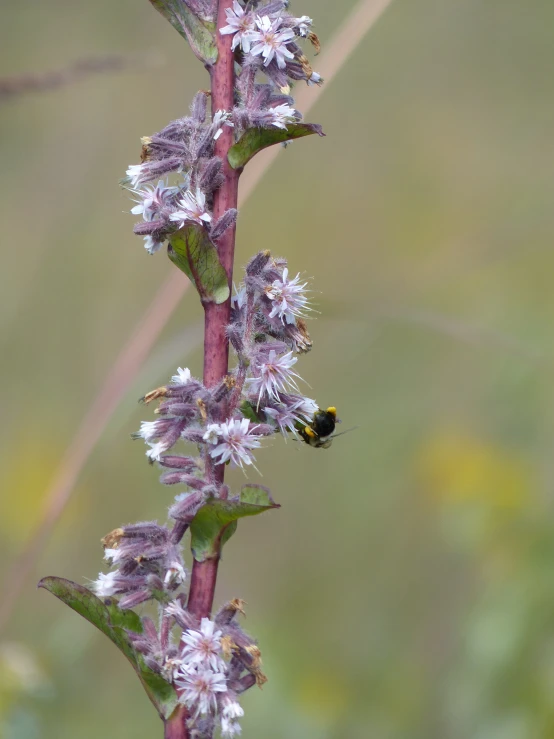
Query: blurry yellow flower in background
455,467
33,461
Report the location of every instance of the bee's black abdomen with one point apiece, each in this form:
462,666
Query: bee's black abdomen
323,423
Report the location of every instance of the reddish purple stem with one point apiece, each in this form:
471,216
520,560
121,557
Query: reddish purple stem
216,345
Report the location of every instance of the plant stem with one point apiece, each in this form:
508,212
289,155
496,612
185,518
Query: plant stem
216,345
176,725
216,319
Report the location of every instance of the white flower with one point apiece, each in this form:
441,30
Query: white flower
289,298
238,300
315,79
182,376
151,200
281,115
212,434
231,709
240,23
203,648
274,375
135,173
199,689
303,24
151,245
287,418
174,607
229,728
192,208
112,555
175,574
156,451
270,42
236,440
170,668
105,585
221,118
148,430
307,407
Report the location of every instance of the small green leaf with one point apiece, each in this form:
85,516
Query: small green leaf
112,621
248,411
199,33
256,139
192,251
216,521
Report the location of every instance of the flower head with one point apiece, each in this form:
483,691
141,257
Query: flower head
286,417
289,298
135,172
151,244
202,648
156,450
271,42
192,207
199,689
229,728
240,23
152,199
281,115
105,585
303,25
273,375
221,118
182,377
175,575
230,710
236,439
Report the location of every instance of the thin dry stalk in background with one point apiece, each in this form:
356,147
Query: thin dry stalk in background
22,84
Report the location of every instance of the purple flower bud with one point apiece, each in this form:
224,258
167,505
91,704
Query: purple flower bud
186,506
228,612
146,530
235,335
199,106
176,478
149,628
179,463
154,582
227,220
179,530
258,263
212,178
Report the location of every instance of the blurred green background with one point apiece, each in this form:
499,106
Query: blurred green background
404,590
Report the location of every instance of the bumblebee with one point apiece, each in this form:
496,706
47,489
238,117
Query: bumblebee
319,433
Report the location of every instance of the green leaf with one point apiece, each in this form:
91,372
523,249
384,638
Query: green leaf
199,33
249,411
216,521
191,250
112,621
255,139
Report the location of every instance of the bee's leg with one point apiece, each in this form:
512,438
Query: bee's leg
308,430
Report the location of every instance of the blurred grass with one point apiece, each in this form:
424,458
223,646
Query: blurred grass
404,588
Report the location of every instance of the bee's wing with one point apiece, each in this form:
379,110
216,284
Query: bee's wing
342,433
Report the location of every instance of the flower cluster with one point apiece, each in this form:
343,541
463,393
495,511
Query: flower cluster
211,663
258,398
266,35
148,565
265,39
185,148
